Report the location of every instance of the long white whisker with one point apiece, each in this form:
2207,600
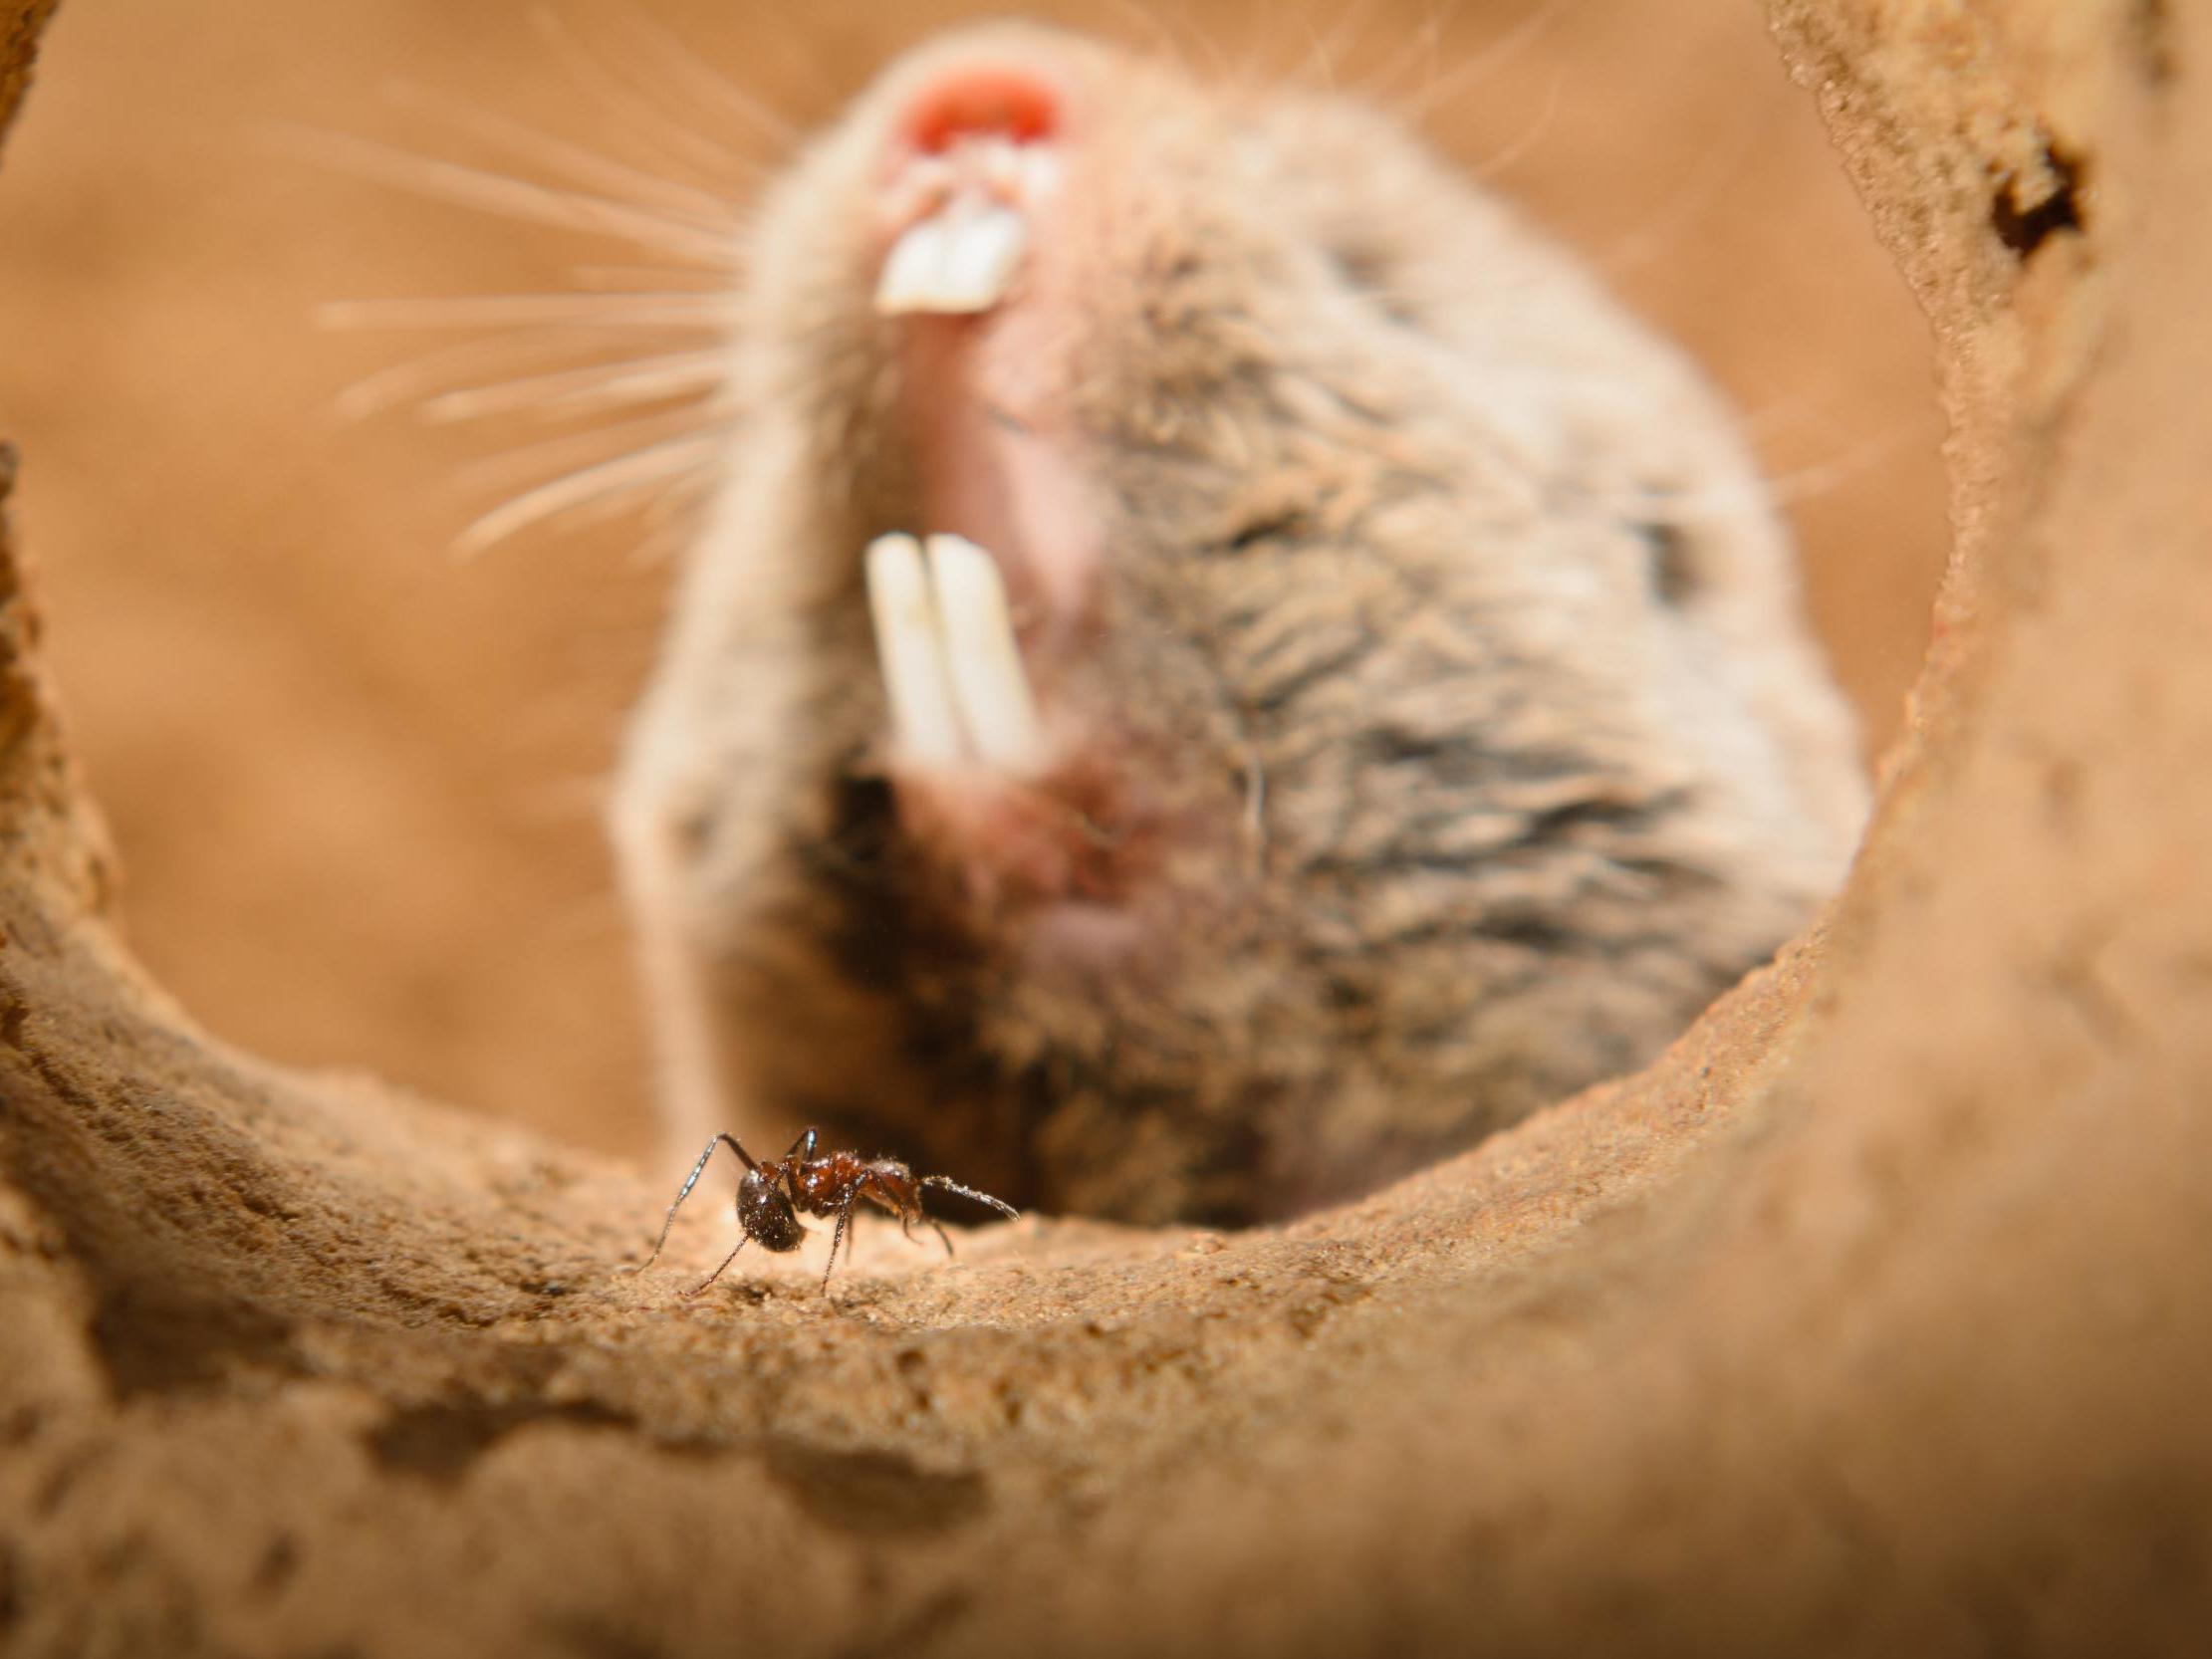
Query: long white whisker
422,374
670,140
1164,37
517,198
1660,232
1323,51
1502,160
1780,414
653,465
1484,62
715,90
614,179
1783,488
573,392
1378,85
576,311
651,496
601,278
526,466
1808,482
671,517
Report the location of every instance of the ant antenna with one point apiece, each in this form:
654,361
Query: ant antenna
950,1185
717,1273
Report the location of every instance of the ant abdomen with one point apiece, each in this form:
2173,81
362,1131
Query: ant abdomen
767,1216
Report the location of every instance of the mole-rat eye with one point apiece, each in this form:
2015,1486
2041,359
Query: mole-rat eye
1676,580
1369,272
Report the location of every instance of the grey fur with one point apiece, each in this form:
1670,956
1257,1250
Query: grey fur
1445,622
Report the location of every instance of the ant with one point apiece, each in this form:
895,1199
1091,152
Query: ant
770,1195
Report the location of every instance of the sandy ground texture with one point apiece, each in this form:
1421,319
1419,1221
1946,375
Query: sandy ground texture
356,779
1872,1319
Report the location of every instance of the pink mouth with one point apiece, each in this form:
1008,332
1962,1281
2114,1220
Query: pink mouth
977,162
981,285
982,100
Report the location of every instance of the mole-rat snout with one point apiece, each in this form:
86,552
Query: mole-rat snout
1178,710
970,163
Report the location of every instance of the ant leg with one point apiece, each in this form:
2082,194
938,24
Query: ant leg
717,1273
786,1168
907,1217
844,1220
690,1181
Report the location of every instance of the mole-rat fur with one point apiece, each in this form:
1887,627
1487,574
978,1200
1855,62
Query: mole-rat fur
1435,730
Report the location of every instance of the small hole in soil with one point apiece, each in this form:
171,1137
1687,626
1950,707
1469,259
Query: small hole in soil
2024,226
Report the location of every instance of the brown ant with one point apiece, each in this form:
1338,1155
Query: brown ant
770,1195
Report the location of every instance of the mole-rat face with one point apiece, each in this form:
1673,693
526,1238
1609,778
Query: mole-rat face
1222,669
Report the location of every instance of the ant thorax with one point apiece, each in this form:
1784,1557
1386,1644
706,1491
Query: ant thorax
820,1185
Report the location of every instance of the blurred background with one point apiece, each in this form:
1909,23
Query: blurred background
354,777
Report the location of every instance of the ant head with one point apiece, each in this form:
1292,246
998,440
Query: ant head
765,1212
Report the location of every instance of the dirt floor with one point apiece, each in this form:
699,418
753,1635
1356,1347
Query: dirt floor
356,778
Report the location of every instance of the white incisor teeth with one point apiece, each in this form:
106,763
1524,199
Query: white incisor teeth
988,681
958,261
952,668
912,652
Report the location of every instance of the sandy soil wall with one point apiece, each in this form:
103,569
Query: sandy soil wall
1871,1319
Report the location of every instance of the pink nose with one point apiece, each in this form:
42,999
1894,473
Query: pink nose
982,101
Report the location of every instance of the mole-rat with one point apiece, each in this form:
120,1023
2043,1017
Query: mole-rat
1222,669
